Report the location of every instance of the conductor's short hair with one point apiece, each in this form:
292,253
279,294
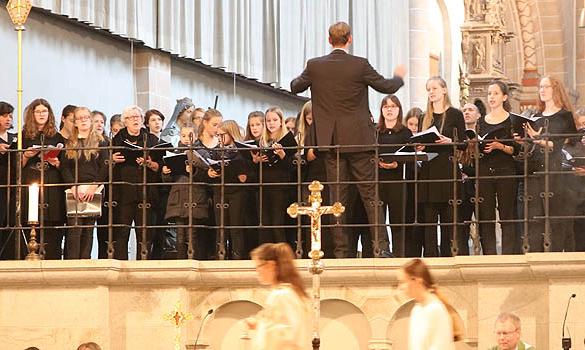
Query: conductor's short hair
339,33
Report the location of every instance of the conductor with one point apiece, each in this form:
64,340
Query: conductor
339,91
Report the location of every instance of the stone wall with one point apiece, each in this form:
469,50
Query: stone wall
121,305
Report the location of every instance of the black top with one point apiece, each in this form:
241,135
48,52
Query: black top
500,131
130,171
89,170
235,163
559,123
280,171
441,167
54,196
394,138
4,161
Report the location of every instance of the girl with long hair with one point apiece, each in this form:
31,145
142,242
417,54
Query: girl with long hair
313,169
554,110
284,323
235,173
276,163
437,198
84,168
392,191
254,127
496,165
40,129
434,324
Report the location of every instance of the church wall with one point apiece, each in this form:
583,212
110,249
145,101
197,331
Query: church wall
122,304
65,64
235,102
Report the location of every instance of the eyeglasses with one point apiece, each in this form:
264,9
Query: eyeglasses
85,117
506,334
135,117
390,107
42,112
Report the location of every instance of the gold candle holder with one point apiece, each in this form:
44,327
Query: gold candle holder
33,245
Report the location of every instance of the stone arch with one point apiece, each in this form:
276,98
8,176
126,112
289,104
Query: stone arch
343,326
398,328
226,329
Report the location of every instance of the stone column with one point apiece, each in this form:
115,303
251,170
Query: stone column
152,74
419,52
483,39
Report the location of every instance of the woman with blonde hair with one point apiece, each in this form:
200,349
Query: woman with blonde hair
234,195
276,162
434,324
284,323
437,197
84,168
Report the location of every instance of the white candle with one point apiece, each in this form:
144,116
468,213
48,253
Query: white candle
33,203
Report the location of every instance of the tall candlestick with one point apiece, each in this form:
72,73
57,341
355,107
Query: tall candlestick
33,203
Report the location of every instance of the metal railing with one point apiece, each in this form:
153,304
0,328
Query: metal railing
538,192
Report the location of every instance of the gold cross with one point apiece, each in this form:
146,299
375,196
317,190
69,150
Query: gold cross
314,212
177,318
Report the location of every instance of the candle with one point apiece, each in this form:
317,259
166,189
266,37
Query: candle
33,203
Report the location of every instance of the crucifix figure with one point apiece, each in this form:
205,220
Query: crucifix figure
178,319
316,266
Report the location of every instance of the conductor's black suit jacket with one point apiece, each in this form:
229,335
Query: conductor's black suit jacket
339,92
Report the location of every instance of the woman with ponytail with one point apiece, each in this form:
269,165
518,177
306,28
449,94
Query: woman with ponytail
284,323
433,321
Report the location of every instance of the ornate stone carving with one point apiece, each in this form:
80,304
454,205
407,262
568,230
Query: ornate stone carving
478,56
475,10
495,13
527,33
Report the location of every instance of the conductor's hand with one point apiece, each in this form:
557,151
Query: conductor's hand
166,170
400,71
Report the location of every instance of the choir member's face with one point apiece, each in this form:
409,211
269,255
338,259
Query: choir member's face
507,335
155,124
290,125
198,117
134,122
470,113
390,111
412,125
266,271
211,126
256,126
496,97
225,137
98,123
41,114
68,121
309,118
187,136
116,127
82,120
545,90
435,91
5,121
273,122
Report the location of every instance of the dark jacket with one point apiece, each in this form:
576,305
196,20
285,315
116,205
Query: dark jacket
339,91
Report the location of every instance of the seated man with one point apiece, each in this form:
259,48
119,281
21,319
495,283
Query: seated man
508,331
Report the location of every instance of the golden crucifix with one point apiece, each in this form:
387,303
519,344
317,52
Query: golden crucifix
177,318
316,267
